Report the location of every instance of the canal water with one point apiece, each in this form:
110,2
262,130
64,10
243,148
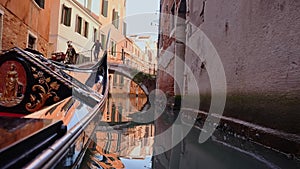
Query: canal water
119,141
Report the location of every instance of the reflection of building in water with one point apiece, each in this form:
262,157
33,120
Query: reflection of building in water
135,89
120,103
135,142
103,159
132,141
123,85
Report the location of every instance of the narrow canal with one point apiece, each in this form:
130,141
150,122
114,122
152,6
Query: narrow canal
120,142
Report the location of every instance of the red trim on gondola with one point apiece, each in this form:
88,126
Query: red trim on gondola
10,114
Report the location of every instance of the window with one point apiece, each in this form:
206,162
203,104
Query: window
40,3
31,44
82,27
95,7
115,79
95,36
115,18
78,24
113,15
86,29
103,40
124,28
120,111
104,7
113,48
113,112
66,16
121,80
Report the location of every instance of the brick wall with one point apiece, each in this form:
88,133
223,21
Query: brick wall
22,17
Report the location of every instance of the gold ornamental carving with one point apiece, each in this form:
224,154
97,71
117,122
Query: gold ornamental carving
45,89
12,88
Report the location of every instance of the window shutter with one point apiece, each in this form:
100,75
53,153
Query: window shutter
76,24
105,7
118,21
115,18
124,28
68,13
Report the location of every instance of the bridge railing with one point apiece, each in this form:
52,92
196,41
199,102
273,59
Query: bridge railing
144,66
84,57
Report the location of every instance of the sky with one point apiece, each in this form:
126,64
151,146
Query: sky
142,18
141,6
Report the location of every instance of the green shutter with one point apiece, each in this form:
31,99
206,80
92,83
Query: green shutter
68,13
103,41
118,17
105,8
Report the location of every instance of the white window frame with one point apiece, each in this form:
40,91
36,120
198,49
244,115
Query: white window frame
64,16
36,39
81,24
85,31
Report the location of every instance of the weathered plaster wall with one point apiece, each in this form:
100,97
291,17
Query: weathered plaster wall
258,42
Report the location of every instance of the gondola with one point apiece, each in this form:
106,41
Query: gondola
48,110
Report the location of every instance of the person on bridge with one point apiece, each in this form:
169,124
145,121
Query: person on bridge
97,45
70,54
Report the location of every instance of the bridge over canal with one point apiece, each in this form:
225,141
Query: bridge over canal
147,82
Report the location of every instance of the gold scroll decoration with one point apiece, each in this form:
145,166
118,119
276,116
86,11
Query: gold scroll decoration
43,91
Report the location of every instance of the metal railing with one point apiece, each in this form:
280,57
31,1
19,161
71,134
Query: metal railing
84,57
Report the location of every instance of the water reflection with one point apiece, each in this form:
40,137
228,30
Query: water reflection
119,142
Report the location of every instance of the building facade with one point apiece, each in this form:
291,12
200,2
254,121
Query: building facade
257,44
73,21
25,24
112,14
143,60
